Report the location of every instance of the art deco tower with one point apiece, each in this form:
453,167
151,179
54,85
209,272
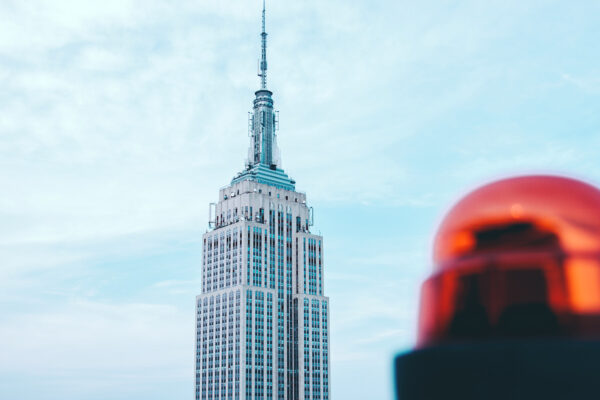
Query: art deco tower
262,320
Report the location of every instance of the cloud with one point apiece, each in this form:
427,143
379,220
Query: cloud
588,84
121,119
91,348
88,336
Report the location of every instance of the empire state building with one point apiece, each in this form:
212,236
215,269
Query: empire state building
262,319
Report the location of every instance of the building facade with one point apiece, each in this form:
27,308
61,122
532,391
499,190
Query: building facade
262,318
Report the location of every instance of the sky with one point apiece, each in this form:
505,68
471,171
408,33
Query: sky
121,119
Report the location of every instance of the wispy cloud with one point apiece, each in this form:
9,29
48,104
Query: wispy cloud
122,344
90,336
589,84
120,120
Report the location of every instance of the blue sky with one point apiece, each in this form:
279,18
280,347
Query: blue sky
120,120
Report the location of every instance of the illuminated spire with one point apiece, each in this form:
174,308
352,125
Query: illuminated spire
263,61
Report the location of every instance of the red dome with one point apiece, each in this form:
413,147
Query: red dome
517,257
564,207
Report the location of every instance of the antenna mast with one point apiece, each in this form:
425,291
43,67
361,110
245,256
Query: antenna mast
263,61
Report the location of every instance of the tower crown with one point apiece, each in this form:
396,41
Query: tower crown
264,163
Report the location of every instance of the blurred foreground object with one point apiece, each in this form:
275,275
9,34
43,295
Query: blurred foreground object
512,310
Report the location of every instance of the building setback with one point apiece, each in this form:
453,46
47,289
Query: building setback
262,320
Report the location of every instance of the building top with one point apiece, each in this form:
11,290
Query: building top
269,176
264,164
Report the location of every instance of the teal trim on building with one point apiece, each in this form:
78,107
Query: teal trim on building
262,174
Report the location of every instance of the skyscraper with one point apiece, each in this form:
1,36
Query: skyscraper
262,320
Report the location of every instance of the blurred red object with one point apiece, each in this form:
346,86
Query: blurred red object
519,257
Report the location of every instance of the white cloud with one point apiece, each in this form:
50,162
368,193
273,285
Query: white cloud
98,337
121,119
589,84
101,60
88,350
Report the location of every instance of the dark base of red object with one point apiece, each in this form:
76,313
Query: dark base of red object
503,370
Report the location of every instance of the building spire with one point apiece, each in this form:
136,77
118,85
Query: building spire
263,61
264,162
